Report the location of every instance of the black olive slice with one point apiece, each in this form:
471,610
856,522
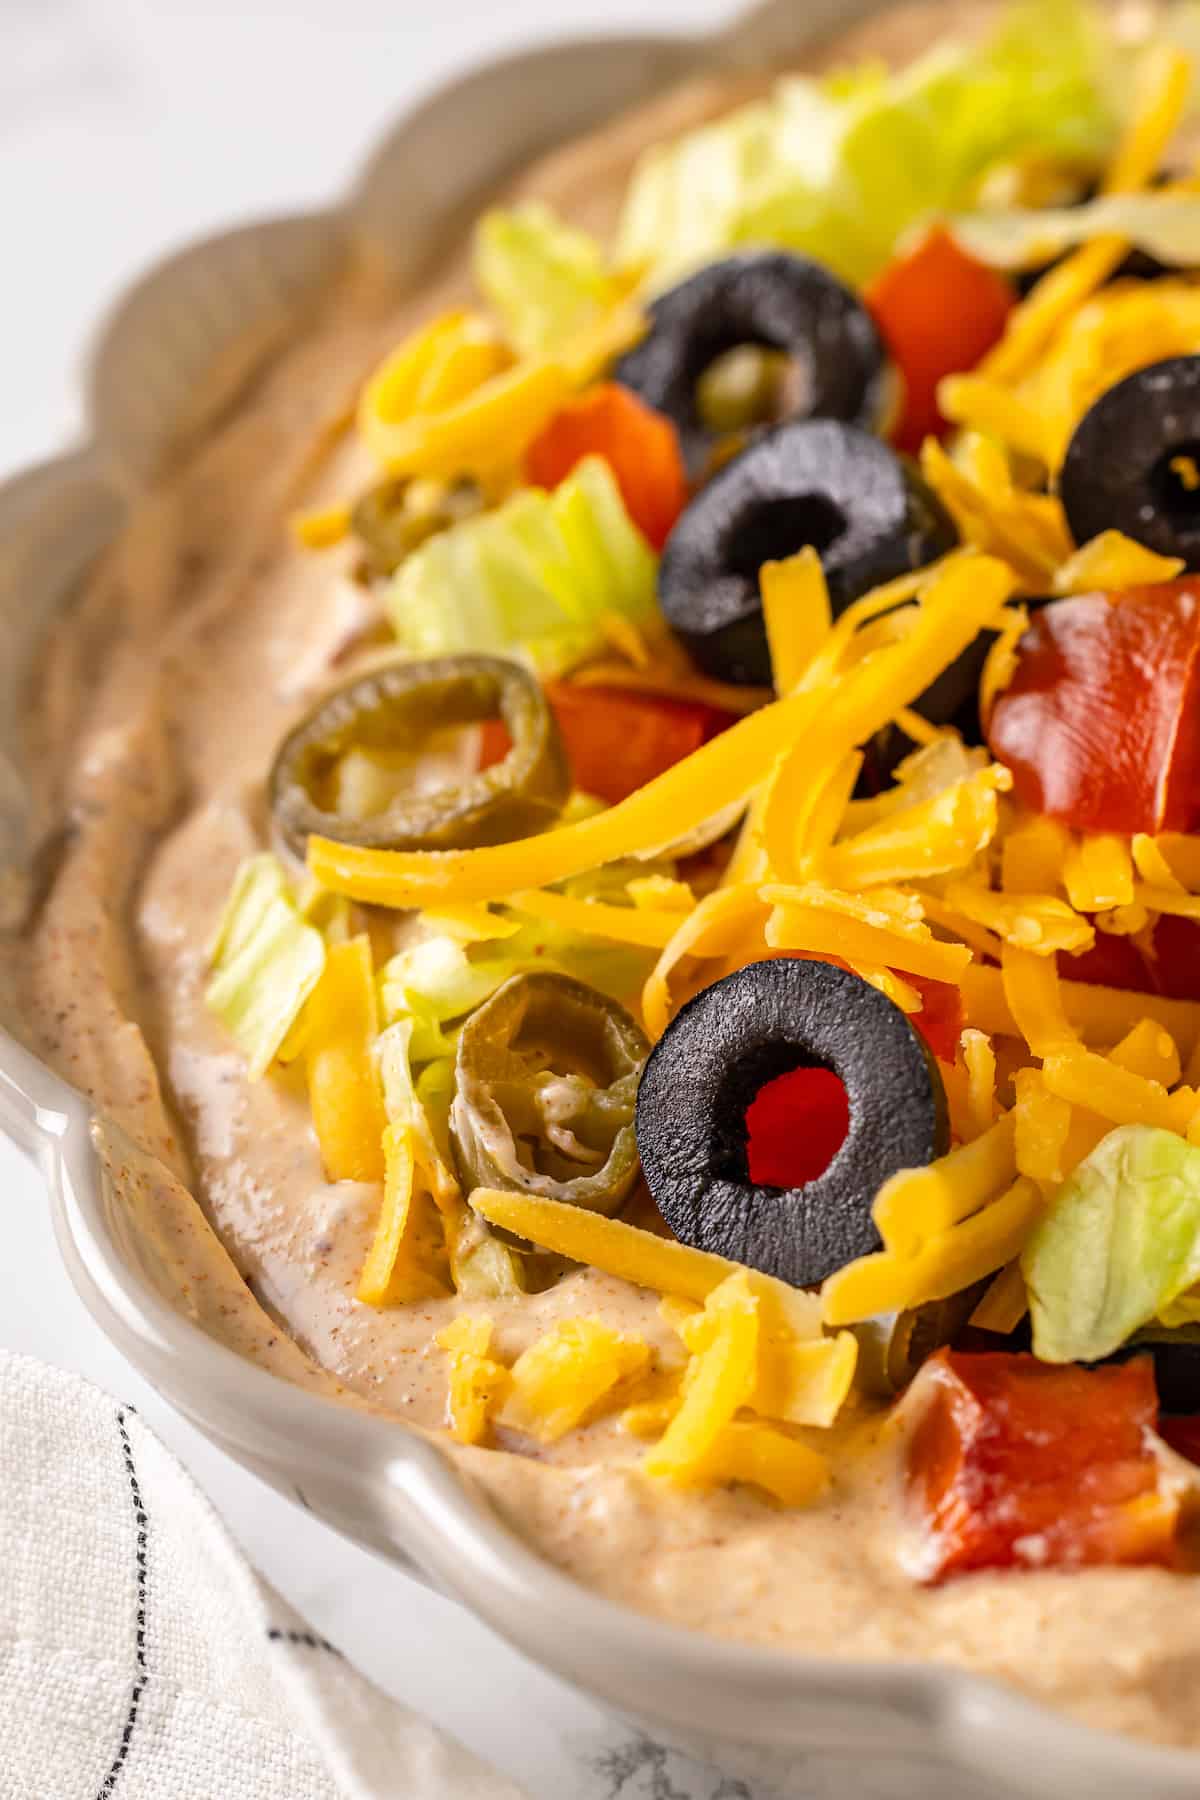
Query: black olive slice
403,707
811,481
1133,464
779,302
724,1046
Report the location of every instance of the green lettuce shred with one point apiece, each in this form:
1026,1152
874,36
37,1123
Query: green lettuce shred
1165,226
434,984
1118,1245
531,580
544,279
266,961
481,1267
841,169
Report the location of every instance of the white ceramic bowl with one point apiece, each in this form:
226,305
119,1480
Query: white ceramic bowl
754,1712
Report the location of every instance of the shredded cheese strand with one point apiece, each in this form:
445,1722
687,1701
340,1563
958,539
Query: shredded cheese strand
1101,1015
918,1205
955,1260
638,1256
797,615
623,924
1166,85
343,1083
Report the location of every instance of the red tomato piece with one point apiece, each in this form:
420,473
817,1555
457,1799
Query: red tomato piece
795,1126
941,1018
1171,969
1176,965
494,742
1113,962
1014,1463
1100,723
618,739
640,445
939,312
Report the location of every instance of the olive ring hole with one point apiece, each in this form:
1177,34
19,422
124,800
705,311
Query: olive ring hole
755,382
1175,484
776,529
790,1114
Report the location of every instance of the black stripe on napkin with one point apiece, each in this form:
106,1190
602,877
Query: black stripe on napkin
142,1673
308,1639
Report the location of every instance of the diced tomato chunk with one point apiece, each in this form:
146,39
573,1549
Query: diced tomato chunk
795,1126
1014,1463
1114,962
1177,957
1100,723
617,739
942,1016
640,445
1172,969
939,312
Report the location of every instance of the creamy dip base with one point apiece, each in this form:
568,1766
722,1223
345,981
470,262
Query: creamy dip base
160,702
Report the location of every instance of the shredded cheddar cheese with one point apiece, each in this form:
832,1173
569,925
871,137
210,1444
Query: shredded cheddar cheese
343,1083
1042,1123
704,1441
1149,1050
1099,1015
797,614
934,837
1061,292
947,1263
1039,923
402,1262
652,929
979,1059
1098,874
476,1383
819,922
919,1205
322,527
1102,1086
566,1375
638,1256
1112,562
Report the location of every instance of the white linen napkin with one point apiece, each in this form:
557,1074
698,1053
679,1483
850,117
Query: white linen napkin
141,1658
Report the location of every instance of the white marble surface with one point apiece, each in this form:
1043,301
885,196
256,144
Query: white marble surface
127,126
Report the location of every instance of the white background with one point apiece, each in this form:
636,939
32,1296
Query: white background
127,127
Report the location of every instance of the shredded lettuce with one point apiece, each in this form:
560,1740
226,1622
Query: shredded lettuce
1117,1246
435,983
841,169
481,1267
1166,226
532,579
544,279
266,961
